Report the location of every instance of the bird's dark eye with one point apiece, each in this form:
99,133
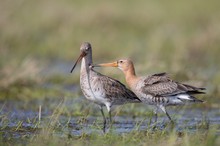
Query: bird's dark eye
120,61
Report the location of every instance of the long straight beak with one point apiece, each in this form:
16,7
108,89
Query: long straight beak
113,64
78,60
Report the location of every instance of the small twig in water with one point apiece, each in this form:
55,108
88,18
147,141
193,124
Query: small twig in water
39,114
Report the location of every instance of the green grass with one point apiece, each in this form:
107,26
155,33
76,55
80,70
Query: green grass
138,138
53,131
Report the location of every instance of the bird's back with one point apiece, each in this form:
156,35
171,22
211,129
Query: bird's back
160,89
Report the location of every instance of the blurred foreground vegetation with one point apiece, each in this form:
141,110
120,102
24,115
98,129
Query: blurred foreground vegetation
64,127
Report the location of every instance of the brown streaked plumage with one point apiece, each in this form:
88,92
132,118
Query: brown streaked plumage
157,89
100,89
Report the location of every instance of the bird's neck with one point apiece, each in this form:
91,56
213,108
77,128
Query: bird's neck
131,77
86,62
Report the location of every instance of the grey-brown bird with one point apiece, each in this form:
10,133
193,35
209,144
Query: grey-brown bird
157,89
100,89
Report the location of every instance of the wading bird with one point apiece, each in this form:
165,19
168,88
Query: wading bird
100,89
157,89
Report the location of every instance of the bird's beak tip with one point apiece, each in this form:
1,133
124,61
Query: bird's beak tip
78,60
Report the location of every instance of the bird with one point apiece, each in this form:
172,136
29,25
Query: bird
101,89
158,89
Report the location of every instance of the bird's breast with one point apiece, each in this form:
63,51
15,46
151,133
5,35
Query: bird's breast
85,87
92,89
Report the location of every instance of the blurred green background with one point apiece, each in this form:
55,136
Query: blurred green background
40,40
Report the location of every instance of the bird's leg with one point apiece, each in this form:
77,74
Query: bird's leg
169,116
164,110
155,114
171,121
110,119
104,119
108,106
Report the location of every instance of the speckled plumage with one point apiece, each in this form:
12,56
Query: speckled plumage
162,90
104,90
100,89
157,89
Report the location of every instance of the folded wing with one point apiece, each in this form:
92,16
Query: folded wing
161,85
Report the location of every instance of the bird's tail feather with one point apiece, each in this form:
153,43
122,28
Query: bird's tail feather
188,98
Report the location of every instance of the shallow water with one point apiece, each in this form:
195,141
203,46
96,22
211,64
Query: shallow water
20,120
